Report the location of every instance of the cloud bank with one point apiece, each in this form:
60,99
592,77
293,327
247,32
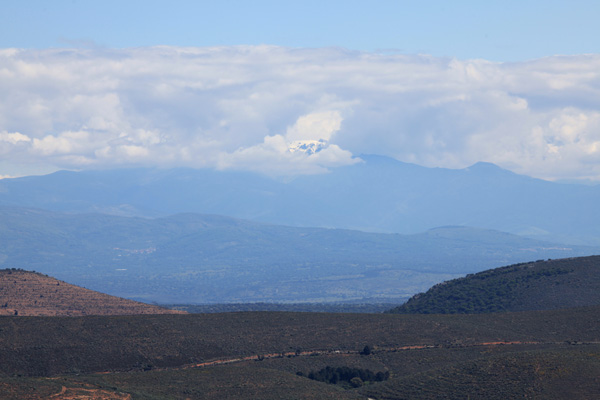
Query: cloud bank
286,111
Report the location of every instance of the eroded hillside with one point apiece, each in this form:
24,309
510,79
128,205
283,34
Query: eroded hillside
25,293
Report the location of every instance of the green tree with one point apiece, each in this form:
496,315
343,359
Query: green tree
356,382
366,351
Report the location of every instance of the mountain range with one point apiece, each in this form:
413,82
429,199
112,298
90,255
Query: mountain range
378,194
197,258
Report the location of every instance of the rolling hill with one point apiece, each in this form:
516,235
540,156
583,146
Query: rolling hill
258,355
542,354
25,293
541,285
194,258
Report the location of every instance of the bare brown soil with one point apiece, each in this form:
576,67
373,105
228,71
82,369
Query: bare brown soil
88,393
24,293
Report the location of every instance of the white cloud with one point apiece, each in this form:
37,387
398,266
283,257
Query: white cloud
281,155
66,143
14,137
245,107
315,126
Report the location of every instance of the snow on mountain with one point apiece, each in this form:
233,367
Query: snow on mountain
307,146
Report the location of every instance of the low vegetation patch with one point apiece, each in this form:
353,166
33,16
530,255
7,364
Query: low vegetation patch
354,377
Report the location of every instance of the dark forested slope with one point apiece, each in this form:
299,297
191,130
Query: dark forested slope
540,285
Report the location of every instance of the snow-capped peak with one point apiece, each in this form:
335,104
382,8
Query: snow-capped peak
308,147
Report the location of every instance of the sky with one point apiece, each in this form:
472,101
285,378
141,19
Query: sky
242,85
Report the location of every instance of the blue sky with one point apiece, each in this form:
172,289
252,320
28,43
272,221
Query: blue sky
493,30
245,84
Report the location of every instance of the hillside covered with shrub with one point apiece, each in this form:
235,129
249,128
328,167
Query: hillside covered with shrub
540,285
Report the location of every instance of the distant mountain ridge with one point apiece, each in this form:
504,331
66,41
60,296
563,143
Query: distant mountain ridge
194,258
541,285
379,194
